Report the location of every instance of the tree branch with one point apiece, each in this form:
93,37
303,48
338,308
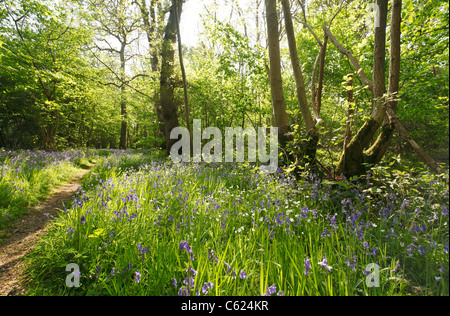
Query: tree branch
351,58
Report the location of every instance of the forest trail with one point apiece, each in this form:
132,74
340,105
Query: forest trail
24,234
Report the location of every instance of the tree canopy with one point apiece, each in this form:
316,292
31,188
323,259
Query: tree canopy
106,74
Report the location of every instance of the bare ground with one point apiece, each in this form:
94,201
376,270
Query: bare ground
24,234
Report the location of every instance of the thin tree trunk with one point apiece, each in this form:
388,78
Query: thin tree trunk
351,112
123,105
298,75
154,35
308,154
354,62
379,63
123,128
183,73
323,52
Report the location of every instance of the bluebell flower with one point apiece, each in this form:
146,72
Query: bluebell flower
397,266
189,281
422,250
137,277
191,270
271,289
142,250
352,263
307,265
444,210
325,265
182,292
228,267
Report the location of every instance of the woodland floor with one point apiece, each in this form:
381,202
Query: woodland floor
23,235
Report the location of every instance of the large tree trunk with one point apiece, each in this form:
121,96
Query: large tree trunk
276,85
167,83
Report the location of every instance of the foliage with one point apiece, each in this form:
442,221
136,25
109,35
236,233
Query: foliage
425,73
141,226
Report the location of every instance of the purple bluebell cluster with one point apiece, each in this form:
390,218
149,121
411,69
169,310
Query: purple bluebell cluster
189,281
181,212
271,290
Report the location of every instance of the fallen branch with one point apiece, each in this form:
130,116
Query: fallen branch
430,162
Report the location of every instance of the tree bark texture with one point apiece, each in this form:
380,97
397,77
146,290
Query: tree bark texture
168,103
309,147
276,84
382,144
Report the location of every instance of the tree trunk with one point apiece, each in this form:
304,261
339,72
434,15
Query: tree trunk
309,148
351,112
123,104
378,150
352,160
276,85
323,52
123,128
167,83
183,74
154,36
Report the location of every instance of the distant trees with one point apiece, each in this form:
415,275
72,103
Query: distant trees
42,75
115,23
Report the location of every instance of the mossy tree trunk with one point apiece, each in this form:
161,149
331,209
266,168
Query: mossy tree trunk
167,100
352,162
375,153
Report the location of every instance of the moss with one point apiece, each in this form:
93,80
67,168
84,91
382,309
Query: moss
352,160
375,153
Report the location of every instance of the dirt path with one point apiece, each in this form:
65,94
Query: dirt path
24,234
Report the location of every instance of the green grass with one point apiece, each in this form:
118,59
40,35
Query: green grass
28,177
244,232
